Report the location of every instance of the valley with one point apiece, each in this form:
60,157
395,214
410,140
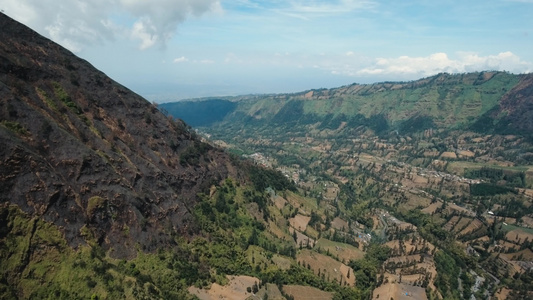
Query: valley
453,206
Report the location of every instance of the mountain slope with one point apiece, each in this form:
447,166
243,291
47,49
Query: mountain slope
103,196
514,112
442,101
87,154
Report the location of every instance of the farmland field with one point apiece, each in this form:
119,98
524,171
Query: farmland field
306,292
345,252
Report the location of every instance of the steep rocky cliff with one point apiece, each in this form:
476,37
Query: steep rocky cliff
92,157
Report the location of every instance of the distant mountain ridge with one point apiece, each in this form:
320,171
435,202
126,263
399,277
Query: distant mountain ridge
444,101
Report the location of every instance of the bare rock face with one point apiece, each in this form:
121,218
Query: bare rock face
91,156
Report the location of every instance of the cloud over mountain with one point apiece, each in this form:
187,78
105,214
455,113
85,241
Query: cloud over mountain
76,24
441,62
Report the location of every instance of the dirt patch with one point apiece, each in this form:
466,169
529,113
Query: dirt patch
466,153
523,255
329,268
461,209
480,139
399,291
528,221
419,179
509,220
299,222
527,192
339,224
473,226
502,293
482,239
280,202
451,223
404,248
518,236
449,155
410,279
306,292
432,208
302,239
462,224
234,290
414,268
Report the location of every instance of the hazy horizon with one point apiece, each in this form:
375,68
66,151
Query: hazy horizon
167,50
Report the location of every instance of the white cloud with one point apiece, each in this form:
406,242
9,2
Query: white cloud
184,59
141,30
180,59
440,62
76,24
157,20
73,24
503,61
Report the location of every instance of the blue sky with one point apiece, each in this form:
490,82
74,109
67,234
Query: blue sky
173,49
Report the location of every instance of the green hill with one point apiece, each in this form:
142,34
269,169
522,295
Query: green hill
443,101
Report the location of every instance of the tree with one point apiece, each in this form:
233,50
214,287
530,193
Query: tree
220,203
255,288
254,239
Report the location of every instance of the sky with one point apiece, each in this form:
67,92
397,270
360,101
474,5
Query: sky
168,50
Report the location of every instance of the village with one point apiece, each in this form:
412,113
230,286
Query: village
417,173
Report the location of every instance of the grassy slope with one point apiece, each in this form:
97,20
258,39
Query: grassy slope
38,263
449,100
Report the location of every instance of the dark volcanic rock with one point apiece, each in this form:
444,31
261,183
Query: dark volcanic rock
89,155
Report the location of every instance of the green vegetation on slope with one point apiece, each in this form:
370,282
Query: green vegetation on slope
38,263
441,101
